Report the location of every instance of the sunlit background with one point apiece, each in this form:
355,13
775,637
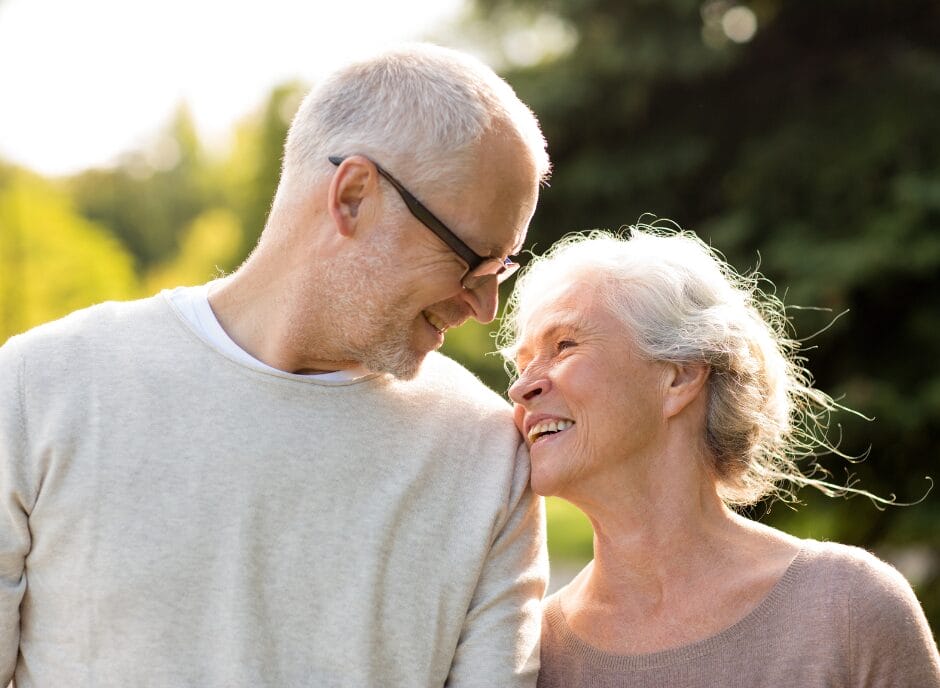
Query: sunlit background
139,149
84,82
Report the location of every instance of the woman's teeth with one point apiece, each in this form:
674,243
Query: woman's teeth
548,427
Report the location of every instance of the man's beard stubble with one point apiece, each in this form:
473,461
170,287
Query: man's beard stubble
374,332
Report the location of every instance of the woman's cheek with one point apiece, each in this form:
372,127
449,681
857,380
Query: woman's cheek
518,416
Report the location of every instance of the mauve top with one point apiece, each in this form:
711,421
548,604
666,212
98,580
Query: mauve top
838,617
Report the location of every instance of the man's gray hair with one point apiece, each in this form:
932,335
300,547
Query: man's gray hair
680,302
418,110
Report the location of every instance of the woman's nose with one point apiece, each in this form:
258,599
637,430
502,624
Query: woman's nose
527,388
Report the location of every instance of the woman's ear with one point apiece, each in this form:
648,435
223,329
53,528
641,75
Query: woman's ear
354,180
685,385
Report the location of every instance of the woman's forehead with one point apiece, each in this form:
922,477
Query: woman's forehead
573,307
557,295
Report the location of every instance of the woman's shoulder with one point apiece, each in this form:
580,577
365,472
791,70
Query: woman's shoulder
555,632
553,618
888,632
562,652
853,567
872,590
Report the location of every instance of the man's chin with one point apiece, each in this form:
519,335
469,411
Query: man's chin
402,366
409,371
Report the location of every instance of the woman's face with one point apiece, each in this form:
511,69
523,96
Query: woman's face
586,402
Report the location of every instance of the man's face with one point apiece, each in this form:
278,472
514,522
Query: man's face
409,291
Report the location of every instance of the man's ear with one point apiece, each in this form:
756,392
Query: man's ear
355,179
685,383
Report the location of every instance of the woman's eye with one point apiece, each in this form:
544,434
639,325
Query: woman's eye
565,344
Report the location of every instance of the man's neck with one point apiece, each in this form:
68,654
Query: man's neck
257,315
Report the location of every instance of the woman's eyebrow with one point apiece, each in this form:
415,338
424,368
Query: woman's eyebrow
564,325
570,322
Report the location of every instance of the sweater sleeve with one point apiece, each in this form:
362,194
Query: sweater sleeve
14,529
499,642
891,640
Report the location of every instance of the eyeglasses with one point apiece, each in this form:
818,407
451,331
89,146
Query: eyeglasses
479,268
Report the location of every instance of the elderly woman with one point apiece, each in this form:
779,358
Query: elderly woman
657,391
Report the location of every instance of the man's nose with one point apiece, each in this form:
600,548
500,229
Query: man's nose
483,300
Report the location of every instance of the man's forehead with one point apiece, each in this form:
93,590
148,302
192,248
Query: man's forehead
501,195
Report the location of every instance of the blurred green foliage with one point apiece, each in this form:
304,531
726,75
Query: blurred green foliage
813,149
53,260
172,213
570,532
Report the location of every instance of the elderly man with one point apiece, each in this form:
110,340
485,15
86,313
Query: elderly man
273,480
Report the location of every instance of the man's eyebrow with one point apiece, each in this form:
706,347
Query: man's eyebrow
496,251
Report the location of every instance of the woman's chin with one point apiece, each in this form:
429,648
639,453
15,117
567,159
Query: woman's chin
544,483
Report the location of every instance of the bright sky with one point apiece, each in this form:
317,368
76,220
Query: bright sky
83,80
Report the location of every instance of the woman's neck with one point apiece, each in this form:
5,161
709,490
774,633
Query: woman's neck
672,564
665,541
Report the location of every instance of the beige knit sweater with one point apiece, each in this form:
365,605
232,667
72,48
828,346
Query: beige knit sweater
170,517
838,617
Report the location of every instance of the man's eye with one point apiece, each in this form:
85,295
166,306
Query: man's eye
565,344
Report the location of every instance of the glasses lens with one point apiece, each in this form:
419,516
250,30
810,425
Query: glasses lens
488,269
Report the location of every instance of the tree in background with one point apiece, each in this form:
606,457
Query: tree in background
153,194
151,199
801,136
212,240
53,260
250,172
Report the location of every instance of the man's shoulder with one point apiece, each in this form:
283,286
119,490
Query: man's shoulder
446,378
106,321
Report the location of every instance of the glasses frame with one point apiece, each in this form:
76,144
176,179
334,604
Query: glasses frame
478,267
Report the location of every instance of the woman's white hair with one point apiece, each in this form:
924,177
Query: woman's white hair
418,110
681,302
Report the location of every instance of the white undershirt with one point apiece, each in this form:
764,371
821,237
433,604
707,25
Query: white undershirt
193,304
